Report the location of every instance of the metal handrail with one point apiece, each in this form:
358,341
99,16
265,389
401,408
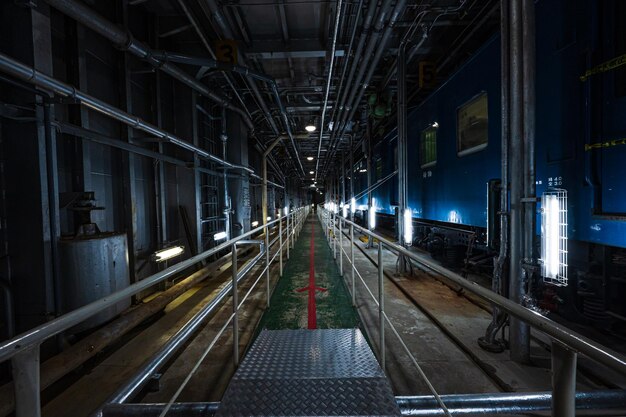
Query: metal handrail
555,330
379,303
566,344
24,352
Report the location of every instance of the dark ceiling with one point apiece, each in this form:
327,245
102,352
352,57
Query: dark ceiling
292,40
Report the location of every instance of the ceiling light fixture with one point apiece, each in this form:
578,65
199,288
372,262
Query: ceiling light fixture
310,128
309,158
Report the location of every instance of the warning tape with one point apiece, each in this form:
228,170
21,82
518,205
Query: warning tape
604,67
607,144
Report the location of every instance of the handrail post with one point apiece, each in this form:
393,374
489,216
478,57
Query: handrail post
381,305
563,380
280,247
267,263
352,265
26,381
334,236
340,248
235,306
287,235
293,230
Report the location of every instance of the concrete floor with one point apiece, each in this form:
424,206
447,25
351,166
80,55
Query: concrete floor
208,384
441,329
439,326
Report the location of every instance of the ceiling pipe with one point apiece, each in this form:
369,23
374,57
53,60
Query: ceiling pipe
251,74
328,82
349,54
207,45
365,30
216,14
125,41
221,22
352,86
369,50
397,11
28,74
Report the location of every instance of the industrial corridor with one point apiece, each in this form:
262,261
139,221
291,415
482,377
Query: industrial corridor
259,208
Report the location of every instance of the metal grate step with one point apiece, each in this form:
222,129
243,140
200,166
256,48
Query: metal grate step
330,372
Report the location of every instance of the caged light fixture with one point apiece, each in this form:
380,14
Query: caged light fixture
554,236
408,227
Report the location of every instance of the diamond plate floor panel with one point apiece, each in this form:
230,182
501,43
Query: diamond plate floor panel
329,372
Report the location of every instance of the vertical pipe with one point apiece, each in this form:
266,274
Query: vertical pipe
235,306
529,93
563,380
499,282
370,240
267,264
352,265
402,144
520,332
294,225
334,224
381,305
224,138
280,247
351,171
343,179
26,380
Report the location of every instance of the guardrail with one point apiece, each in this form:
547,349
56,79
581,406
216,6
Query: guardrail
566,344
24,349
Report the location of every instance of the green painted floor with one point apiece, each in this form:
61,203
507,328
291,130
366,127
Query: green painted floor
289,307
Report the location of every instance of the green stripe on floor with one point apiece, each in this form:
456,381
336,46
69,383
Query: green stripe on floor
288,307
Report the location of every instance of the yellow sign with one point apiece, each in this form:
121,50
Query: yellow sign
604,67
607,144
427,74
226,51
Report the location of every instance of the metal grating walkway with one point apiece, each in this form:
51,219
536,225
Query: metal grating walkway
330,372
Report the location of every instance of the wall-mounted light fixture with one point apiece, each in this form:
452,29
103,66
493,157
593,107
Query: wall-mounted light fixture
167,253
408,227
219,236
554,236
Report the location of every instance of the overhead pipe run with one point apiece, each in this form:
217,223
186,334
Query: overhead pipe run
365,30
328,82
28,74
222,66
218,18
353,86
371,66
126,42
